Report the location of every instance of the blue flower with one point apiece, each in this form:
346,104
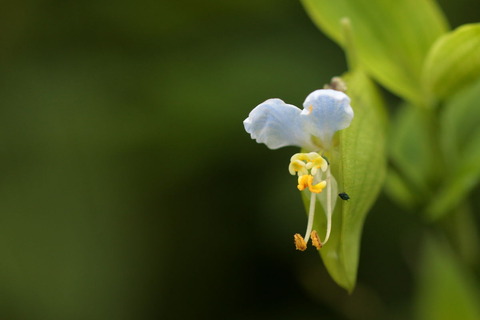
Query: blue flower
277,124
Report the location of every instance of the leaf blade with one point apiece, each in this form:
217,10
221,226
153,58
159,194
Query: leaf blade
453,61
359,169
391,50
460,138
445,290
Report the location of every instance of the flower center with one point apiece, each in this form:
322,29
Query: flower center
310,168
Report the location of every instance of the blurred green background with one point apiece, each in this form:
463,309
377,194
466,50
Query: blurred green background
128,187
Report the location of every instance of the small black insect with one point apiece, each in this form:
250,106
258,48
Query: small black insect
344,196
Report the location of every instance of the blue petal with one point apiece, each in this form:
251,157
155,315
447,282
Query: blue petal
277,125
325,112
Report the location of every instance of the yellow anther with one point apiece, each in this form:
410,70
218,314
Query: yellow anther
307,165
317,188
312,156
300,243
300,156
297,166
316,240
306,181
316,162
302,162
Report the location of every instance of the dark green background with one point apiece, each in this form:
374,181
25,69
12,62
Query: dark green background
128,187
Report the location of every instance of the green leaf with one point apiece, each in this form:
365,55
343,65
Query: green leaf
460,137
453,61
412,156
391,38
446,290
359,168
397,188
462,229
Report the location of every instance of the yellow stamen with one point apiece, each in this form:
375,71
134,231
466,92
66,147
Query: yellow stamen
302,162
300,244
320,163
317,188
307,165
316,240
306,181
297,166
316,162
299,156
313,156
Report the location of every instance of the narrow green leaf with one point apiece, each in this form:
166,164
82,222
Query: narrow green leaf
391,38
453,61
359,168
446,290
460,137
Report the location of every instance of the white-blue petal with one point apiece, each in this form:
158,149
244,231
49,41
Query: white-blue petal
325,112
277,125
